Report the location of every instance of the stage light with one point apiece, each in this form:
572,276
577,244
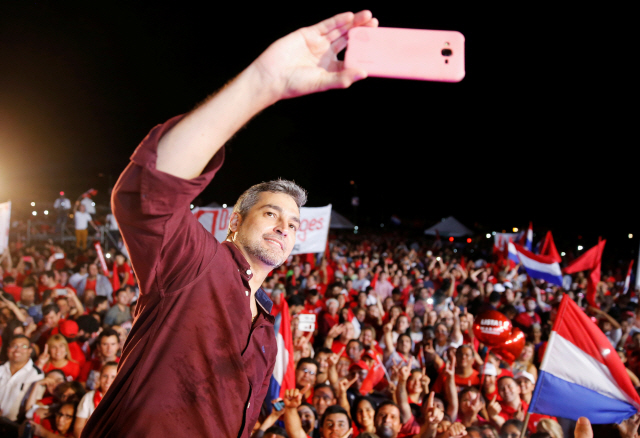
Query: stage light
468,239
224,205
579,247
515,229
34,213
493,233
191,206
488,236
46,212
630,236
562,254
93,204
451,239
108,255
33,204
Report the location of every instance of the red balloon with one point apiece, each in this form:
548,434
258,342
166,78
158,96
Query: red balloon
492,328
510,350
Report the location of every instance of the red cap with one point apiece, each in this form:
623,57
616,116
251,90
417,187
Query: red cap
68,329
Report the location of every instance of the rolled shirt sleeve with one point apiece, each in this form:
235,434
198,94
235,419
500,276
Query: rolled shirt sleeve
153,210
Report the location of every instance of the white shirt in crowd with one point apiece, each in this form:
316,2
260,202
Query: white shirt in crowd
82,220
86,406
14,388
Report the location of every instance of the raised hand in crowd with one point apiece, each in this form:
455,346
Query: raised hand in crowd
629,427
44,357
493,410
455,430
433,415
274,416
292,401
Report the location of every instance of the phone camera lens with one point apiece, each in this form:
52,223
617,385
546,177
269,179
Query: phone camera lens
446,52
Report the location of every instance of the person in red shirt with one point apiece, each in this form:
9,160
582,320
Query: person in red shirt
465,375
56,355
69,329
511,406
526,319
489,380
108,346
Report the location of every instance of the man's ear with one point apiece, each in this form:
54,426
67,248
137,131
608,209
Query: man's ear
234,222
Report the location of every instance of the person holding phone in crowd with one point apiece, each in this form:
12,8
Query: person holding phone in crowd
211,372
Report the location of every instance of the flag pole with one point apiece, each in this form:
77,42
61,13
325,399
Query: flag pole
524,426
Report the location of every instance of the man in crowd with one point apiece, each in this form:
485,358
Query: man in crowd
97,282
16,376
107,351
82,221
119,313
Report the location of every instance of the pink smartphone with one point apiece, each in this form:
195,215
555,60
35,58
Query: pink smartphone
419,54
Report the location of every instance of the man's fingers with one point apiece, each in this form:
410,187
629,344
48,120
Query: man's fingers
430,401
341,351
338,45
361,19
326,26
493,400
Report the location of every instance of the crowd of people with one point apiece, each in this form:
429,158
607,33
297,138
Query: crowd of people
389,352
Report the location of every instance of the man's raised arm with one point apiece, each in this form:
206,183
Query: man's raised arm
300,63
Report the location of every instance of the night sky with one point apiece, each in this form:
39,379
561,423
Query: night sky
541,129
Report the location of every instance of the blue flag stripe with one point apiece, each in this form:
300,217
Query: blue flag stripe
557,397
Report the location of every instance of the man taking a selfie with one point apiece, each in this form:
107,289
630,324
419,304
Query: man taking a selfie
202,349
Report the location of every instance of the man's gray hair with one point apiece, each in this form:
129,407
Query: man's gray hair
250,197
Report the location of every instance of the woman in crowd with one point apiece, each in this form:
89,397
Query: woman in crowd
59,424
418,386
41,393
525,361
56,355
362,414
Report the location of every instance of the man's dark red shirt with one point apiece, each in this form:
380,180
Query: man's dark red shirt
194,364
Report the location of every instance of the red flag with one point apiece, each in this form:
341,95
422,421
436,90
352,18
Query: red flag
549,248
289,372
627,281
591,261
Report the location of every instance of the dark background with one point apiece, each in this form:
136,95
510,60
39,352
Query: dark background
541,129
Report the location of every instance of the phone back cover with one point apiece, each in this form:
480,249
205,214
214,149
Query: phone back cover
406,53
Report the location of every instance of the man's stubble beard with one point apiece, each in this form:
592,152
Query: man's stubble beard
265,255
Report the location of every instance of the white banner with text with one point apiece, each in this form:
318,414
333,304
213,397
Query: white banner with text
311,236
5,224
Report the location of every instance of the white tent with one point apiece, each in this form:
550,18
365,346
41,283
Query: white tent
339,221
449,227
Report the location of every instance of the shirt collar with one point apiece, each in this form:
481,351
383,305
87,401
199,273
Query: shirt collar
245,272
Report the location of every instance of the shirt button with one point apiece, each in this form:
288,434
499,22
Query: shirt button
246,292
248,271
